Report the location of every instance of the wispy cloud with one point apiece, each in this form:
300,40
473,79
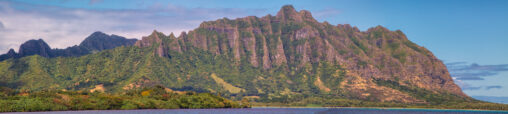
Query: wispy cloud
455,63
62,26
464,71
493,87
471,88
466,86
474,66
474,71
473,75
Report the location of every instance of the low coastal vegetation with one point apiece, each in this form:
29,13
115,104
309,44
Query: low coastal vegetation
429,99
147,98
338,102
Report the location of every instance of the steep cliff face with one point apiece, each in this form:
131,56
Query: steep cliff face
296,40
160,43
97,41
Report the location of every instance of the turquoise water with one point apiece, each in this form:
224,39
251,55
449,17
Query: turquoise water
278,111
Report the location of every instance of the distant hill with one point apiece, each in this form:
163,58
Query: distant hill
97,41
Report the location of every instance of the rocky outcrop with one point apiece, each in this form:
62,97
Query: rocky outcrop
161,44
32,47
97,41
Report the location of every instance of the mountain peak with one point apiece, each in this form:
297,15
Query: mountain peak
149,40
10,54
98,33
32,47
154,39
288,13
95,36
287,8
172,35
378,28
35,41
11,51
101,41
154,32
306,14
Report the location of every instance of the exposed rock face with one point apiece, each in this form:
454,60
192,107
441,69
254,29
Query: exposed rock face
97,41
32,47
295,39
155,40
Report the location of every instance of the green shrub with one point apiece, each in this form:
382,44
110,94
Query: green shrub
158,99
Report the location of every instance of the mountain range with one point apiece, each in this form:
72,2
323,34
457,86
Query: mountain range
288,57
97,41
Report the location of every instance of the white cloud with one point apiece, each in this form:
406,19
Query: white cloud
62,27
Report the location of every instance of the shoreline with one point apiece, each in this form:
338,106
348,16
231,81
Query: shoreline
271,107
390,108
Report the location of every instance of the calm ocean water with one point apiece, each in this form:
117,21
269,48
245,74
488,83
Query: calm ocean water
278,111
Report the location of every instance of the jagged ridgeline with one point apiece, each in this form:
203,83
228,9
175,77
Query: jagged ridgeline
282,58
97,41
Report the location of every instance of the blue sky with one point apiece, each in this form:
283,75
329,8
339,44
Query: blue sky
470,36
